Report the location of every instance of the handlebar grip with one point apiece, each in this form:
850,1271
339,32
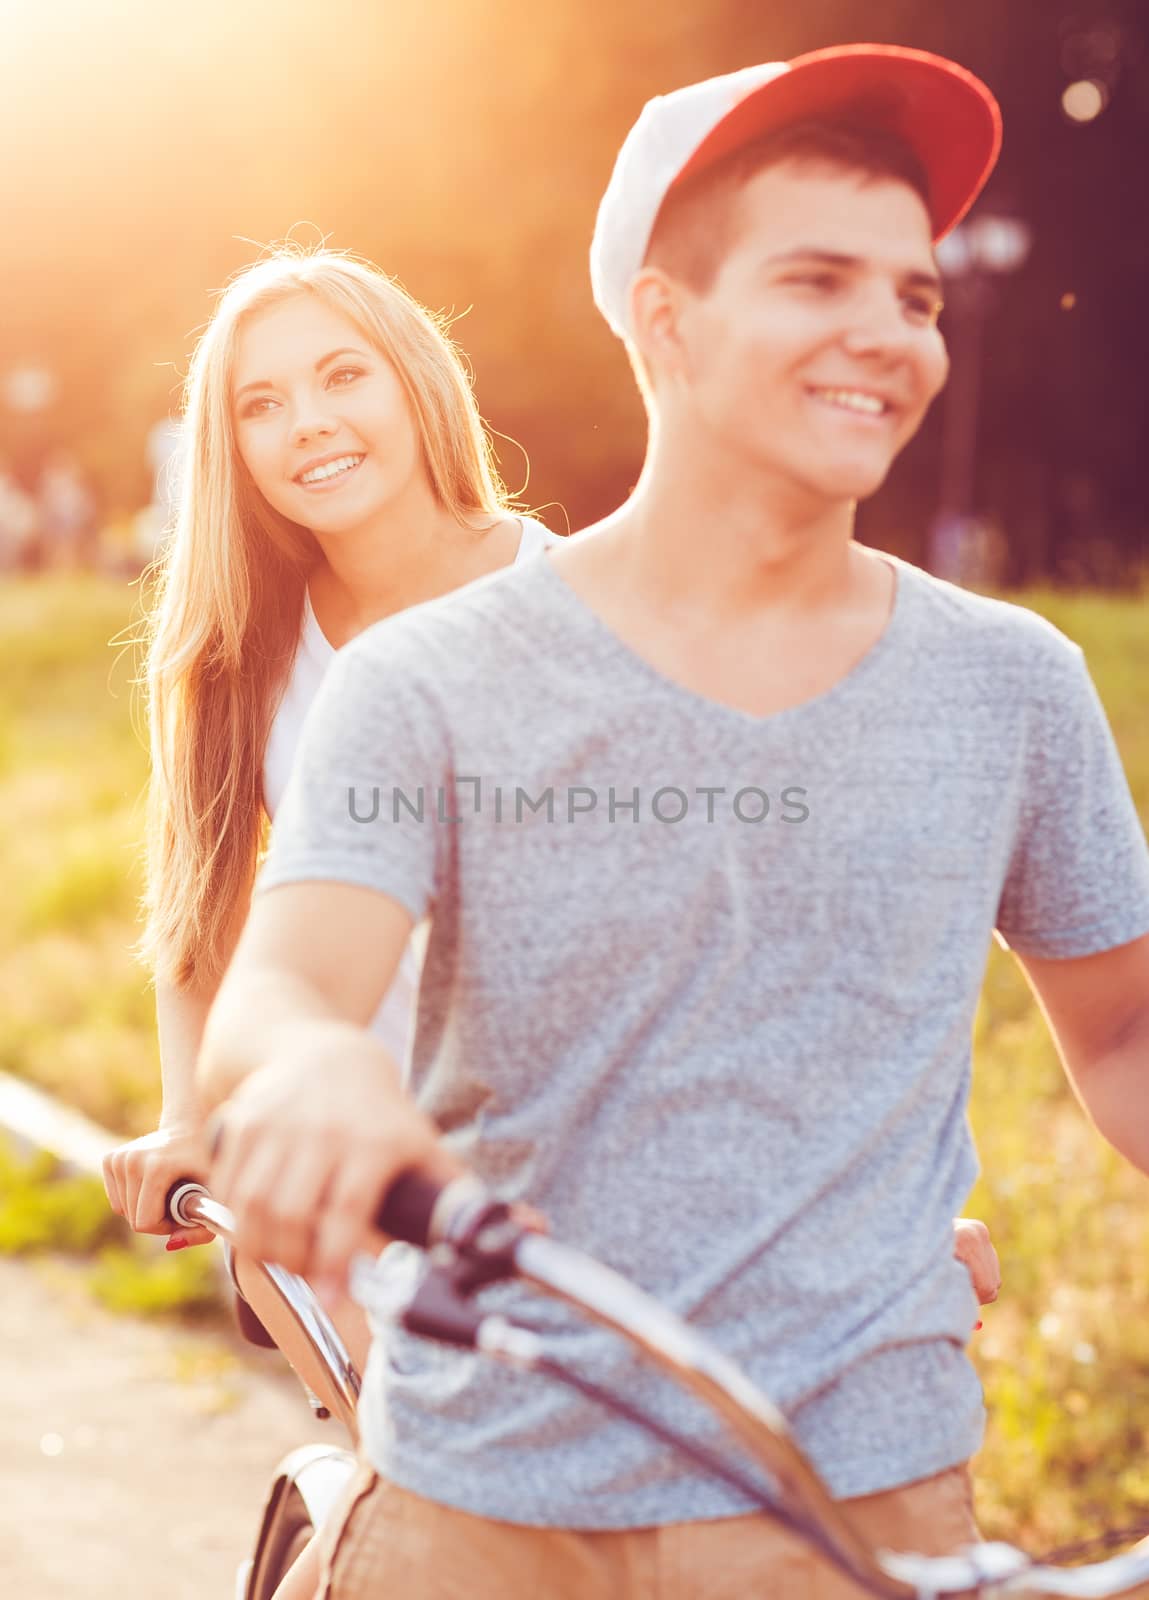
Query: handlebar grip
409,1205
177,1192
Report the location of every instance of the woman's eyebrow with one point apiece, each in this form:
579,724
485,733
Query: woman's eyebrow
324,361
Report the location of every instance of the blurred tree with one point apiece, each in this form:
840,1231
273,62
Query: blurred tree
465,147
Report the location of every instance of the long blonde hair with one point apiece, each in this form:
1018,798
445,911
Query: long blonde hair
228,603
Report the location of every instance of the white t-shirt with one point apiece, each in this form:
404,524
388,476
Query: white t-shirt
395,1016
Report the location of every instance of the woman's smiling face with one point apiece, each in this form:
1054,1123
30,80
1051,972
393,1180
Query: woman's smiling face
322,421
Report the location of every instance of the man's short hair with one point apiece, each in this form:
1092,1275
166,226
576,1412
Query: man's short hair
698,220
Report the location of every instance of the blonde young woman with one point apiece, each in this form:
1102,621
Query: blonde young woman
337,471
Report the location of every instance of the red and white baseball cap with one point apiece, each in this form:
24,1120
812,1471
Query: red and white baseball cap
946,116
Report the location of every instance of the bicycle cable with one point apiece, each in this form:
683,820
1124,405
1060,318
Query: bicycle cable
714,1464
440,1310
708,1460
1065,1553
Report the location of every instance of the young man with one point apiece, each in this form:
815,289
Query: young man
740,806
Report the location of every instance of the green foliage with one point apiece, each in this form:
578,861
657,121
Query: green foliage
75,1008
80,891
135,1279
1064,1355
41,1209
44,1209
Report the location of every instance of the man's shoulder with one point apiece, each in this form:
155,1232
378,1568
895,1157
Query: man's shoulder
1000,633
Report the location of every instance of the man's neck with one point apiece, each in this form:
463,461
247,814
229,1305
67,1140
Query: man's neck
733,544
753,595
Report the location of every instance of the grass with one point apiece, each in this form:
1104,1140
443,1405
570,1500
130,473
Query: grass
43,1208
76,1014
1064,1355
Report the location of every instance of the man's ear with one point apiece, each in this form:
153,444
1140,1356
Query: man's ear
656,306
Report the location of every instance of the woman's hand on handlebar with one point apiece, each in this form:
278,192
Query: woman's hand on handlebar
138,1175
307,1145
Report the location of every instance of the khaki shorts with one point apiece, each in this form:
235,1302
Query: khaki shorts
389,1544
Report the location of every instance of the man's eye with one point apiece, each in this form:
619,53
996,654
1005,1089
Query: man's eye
814,280
923,308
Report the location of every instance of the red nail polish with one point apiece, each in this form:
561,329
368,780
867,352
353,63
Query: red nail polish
978,1325
181,1244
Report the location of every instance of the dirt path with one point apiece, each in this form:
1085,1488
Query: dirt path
133,1456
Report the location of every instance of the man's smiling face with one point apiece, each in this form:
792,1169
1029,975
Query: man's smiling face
815,351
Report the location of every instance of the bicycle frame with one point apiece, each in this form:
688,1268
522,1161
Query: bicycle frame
310,1480
287,1306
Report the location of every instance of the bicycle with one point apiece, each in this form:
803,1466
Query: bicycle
310,1479
475,1240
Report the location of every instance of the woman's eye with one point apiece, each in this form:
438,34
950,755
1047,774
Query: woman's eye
345,375
258,407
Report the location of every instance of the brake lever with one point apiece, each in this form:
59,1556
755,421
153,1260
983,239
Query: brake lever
479,1248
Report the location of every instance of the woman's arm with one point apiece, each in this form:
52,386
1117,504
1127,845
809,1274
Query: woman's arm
180,1018
139,1173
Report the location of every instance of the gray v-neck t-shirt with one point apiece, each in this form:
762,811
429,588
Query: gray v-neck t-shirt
700,986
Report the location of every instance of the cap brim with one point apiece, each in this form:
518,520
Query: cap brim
946,115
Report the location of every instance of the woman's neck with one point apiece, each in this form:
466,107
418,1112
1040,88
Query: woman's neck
412,552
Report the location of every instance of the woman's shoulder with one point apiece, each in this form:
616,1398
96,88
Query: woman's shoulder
536,536
441,641
291,698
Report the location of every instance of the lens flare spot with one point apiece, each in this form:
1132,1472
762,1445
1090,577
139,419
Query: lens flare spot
1084,100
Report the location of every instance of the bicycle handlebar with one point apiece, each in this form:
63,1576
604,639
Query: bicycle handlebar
459,1213
408,1209
488,1244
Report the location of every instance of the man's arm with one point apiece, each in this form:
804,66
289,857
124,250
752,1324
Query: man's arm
310,952
1097,1008
315,1122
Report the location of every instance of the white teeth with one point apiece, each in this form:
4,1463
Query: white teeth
330,469
852,400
